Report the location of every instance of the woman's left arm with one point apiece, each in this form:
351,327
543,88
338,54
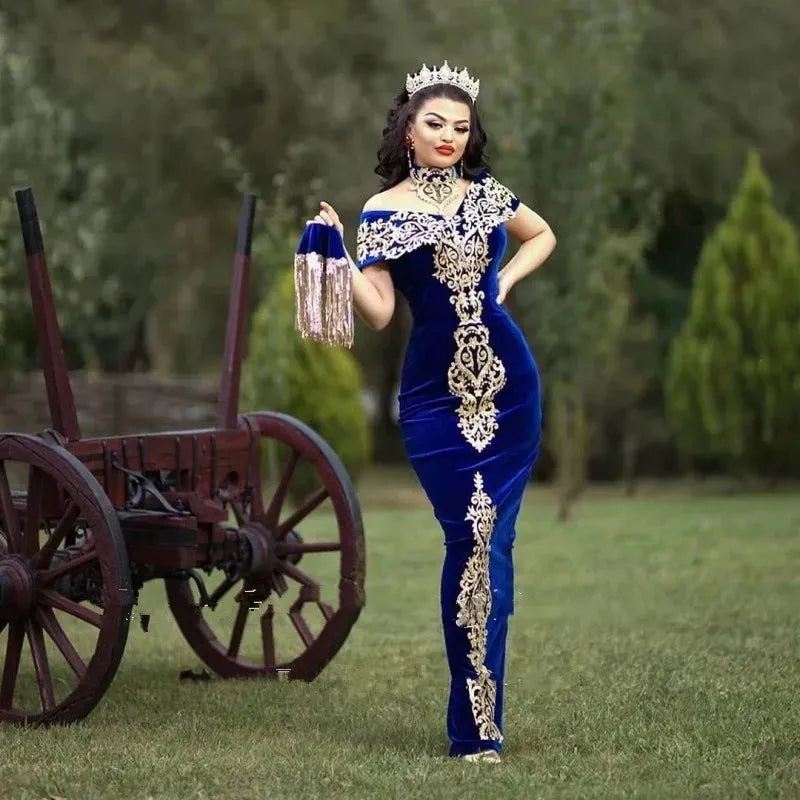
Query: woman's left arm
538,241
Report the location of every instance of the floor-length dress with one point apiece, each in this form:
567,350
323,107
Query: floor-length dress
470,416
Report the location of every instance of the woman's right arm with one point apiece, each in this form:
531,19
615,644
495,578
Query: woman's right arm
373,294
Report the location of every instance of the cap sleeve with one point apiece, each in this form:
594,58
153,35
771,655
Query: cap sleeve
503,203
371,238
387,235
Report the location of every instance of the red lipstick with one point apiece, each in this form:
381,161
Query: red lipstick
445,150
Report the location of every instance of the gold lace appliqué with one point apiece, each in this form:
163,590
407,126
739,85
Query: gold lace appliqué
474,602
461,256
476,374
396,235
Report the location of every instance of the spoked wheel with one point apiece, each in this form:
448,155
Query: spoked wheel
65,585
292,608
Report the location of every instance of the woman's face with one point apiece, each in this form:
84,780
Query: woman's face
440,123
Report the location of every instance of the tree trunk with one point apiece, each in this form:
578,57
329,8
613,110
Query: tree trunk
630,447
569,419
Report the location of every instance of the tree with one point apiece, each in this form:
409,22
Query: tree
734,370
37,137
569,131
592,108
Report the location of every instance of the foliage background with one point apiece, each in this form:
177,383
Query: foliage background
625,125
654,650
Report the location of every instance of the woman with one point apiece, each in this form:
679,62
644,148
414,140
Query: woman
469,396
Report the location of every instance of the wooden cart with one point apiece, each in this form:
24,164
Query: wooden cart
84,523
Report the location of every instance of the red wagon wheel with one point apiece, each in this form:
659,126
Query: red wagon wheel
62,557
293,610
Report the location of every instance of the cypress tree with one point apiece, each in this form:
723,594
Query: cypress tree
733,382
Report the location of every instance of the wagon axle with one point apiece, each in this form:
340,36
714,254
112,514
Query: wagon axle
16,588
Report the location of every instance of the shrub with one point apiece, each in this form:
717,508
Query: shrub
317,384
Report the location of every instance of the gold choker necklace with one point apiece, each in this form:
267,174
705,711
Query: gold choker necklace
434,185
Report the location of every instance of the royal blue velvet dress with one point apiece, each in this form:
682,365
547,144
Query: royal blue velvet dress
470,416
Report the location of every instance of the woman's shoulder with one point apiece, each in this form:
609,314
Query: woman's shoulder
396,199
383,201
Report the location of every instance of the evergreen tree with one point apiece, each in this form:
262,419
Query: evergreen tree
733,386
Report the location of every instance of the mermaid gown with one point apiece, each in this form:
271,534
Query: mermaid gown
470,416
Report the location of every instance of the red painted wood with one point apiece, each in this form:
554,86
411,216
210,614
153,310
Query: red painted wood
41,664
47,620
228,405
16,638
77,498
218,641
54,363
61,491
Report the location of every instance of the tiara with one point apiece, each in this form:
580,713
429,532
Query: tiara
429,77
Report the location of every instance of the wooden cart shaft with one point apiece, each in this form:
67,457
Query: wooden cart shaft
200,465
54,364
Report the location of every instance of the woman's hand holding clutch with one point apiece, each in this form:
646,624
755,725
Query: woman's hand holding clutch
328,216
373,296
323,281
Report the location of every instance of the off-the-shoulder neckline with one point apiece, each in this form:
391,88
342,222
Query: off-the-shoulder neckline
391,211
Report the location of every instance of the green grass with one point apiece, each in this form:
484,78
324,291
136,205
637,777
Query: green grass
654,653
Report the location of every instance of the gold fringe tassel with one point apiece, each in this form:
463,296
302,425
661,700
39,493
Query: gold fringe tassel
324,299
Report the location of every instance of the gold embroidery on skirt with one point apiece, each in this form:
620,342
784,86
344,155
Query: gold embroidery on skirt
476,375
474,602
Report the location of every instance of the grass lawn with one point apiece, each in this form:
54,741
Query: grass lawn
654,653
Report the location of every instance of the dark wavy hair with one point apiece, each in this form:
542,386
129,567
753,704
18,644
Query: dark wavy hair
392,161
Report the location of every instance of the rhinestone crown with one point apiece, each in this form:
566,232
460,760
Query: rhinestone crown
444,74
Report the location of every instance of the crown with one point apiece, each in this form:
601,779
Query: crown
429,77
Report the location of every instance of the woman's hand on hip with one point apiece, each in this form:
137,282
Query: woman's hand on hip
503,286
327,216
